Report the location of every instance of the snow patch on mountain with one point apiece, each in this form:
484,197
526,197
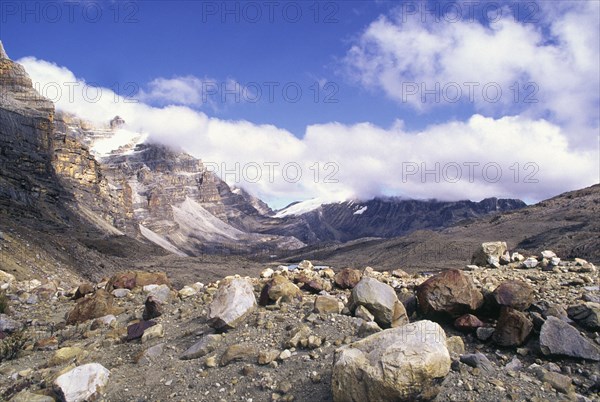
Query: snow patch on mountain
300,208
123,139
360,211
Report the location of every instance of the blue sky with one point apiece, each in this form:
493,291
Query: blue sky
363,68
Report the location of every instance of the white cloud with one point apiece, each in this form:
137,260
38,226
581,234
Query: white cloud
339,161
559,56
193,91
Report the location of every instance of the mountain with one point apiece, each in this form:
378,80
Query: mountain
386,217
170,197
113,188
567,224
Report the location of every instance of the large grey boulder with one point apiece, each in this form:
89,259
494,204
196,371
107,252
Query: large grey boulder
586,314
381,301
559,338
232,302
394,364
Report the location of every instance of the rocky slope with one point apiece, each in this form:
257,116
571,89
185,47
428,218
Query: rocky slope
566,223
299,334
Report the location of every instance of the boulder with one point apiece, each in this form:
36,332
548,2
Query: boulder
514,294
155,331
92,306
233,300
347,278
239,352
468,323
394,364
278,288
489,253
64,355
586,314
150,354
305,264
203,347
136,279
162,293
26,396
152,308
83,289
381,301
315,284
548,254
9,325
327,305
82,383
478,360
512,327
530,262
559,338
450,293
136,330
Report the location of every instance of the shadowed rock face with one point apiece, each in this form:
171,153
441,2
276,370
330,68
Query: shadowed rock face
26,122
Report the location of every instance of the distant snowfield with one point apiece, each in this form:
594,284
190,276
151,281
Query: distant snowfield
361,211
300,208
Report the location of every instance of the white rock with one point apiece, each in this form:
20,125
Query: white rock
231,303
548,254
489,253
107,319
149,288
305,264
119,293
267,273
516,257
390,365
155,331
187,291
6,278
162,293
82,383
530,262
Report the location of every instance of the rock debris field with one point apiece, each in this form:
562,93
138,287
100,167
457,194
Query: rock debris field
507,327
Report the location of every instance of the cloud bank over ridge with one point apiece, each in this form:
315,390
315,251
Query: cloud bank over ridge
505,148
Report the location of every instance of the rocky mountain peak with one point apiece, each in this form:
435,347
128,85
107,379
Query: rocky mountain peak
17,93
3,54
117,122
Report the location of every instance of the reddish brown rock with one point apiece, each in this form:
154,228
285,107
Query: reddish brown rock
450,293
136,279
347,278
512,328
135,331
514,294
468,322
315,285
92,306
